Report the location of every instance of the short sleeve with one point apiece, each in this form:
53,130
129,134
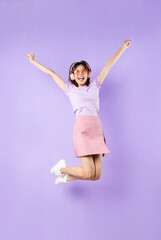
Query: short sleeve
96,82
67,89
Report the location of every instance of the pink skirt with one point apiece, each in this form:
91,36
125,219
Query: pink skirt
88,136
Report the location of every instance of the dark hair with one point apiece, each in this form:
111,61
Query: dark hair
72,69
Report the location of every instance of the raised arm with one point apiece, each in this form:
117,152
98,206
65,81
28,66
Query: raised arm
60,82
112,60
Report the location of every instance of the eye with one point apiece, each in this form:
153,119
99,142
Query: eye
76,72
79,71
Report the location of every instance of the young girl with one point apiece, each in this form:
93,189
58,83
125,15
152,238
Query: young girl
88,137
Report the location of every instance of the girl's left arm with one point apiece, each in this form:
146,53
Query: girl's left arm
112,60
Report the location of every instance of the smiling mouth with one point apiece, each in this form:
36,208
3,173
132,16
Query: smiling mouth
81,79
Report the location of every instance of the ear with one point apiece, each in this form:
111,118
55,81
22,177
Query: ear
89,74
72,76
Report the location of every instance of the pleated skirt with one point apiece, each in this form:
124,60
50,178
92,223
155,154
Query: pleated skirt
88,136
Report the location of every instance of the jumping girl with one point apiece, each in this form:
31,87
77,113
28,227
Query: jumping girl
88,136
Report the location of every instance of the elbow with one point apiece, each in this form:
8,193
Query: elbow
51,73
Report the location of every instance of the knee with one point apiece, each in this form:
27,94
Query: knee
88,175
97,177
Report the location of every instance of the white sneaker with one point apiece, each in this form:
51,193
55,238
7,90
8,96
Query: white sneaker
56,168
62,179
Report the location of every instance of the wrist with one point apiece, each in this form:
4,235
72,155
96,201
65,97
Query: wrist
32,60
123,46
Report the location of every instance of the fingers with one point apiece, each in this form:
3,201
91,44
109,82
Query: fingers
30,56
127,43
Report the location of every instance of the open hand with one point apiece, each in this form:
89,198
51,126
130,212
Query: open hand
126,43
30,56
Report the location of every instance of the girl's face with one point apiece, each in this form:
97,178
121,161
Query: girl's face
80,75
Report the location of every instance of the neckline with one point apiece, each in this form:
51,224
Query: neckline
81,86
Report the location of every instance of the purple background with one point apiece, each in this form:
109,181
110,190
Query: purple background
37,120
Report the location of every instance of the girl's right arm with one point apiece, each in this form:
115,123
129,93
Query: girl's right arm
60,82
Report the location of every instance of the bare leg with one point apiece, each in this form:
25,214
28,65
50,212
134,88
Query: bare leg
74,171
97,158
70,177
85,173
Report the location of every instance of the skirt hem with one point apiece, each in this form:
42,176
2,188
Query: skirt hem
89,154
